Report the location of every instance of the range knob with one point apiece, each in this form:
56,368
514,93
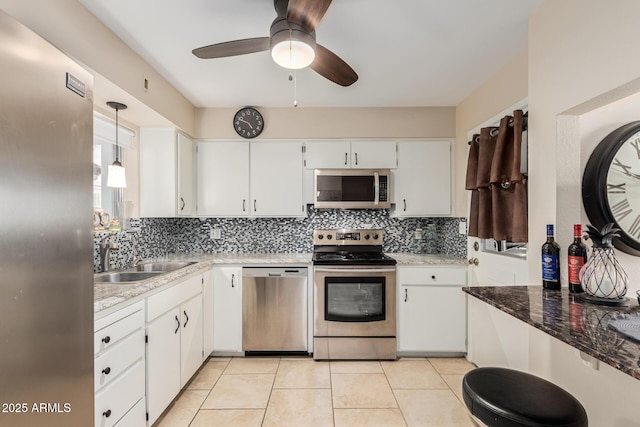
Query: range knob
320,236
375,237
329,237
366,237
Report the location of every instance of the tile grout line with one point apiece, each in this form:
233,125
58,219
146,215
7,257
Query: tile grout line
404,419
264,415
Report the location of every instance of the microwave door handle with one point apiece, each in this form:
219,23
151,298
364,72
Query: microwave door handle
376,188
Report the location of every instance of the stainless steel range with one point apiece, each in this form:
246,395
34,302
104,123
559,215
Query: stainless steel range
354,296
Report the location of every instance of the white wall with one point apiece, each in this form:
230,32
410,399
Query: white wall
579,51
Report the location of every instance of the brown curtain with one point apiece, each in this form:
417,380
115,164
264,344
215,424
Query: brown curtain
498,193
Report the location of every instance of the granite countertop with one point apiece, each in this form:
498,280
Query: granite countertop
108,295
582,325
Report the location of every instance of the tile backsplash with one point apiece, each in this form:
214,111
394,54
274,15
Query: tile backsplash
157,237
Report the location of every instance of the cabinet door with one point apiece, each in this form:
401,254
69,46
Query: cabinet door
223,178
327,154
276,179
158,173
207,313
422,182
190,338
373,154
432,318
227,309
186,195
163,362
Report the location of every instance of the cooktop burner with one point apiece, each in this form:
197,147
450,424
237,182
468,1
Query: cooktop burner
349,247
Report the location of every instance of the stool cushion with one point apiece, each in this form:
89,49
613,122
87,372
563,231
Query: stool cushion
502,397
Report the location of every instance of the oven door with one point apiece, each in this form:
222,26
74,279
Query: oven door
355,301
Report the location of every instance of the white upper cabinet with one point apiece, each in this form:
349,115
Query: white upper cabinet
338,154
422,182
166,174
186,181
276,179
334,154
373,155
223,178
239,178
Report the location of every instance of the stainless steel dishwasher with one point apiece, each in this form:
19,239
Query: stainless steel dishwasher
274,310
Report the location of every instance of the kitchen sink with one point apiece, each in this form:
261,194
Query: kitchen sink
162,266
125,277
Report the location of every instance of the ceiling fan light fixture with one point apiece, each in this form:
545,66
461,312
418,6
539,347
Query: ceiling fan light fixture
293,49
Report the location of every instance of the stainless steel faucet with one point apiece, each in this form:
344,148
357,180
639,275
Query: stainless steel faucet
105,250
135,257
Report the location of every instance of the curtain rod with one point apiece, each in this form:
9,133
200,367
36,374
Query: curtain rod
495,130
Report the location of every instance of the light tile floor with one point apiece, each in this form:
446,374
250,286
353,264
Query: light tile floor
300,392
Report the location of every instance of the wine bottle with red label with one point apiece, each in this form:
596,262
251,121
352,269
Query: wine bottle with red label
577,256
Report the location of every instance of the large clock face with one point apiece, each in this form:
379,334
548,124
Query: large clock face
611,186
248,122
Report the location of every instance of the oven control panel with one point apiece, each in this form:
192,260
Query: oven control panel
344,236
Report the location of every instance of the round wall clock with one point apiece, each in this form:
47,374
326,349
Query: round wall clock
248,122
611,186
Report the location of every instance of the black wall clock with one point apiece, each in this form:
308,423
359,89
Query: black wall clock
248,122
611,186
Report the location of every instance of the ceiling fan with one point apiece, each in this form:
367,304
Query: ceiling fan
292,42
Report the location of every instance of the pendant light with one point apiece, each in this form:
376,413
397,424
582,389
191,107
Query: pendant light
116,176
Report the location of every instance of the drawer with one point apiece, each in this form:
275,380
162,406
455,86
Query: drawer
432,276
136,417
167,299
109,365
117,398
109,336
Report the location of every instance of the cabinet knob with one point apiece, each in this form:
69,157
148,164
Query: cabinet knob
106,370
433,277
474,261
107,413
106,339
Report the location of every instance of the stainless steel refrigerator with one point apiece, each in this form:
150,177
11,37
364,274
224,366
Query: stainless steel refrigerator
46,246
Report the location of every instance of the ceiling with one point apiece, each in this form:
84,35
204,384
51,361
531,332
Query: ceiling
406,52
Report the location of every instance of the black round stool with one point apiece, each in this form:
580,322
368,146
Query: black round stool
501,397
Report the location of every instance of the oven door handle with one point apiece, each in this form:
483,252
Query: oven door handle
352,270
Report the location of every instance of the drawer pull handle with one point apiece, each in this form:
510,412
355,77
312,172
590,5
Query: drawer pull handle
186,321
107,413
178,327
106,370
233,276
406,294
106,339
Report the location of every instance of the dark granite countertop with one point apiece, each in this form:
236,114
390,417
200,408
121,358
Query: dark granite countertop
580,324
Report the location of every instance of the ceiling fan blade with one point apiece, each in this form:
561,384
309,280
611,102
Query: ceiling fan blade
232,48
307,13
330,66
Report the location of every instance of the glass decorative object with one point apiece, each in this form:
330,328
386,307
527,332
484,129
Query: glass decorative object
602,276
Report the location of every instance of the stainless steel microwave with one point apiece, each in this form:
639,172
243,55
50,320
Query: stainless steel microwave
352,188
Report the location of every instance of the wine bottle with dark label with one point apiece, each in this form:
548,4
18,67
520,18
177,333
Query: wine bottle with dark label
577,256
550,261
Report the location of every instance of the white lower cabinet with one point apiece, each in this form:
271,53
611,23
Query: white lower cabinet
174,342
119,368
227,310
431,309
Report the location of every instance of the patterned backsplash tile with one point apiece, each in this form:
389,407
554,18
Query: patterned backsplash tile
157,237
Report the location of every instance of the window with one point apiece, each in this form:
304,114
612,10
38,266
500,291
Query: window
104,154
